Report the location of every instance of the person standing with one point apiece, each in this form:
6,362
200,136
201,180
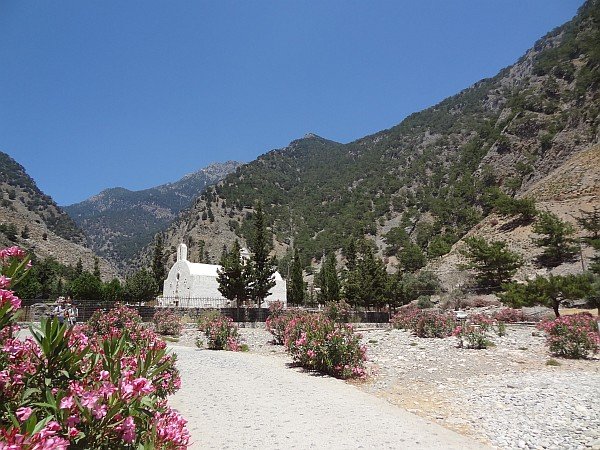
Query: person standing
72,312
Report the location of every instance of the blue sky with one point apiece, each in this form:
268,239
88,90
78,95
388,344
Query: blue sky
138,93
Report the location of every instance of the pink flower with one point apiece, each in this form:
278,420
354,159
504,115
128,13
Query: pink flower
103,375
99,411
72,421
89,399
128,429
67,402
23,413
4,282
73,432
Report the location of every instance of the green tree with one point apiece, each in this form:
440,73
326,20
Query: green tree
296,287
329,281
112,291
593,296
411,257
140,287
492,262
557,240
262,267
509,206
78,268
367,284
158,262
551,291
595,261
86,287
233,276
97,272
403,288
590,222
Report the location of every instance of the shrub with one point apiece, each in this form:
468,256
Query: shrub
471,336
276,324
206,317
109,381
572,336
222,334
338,312
317,343
168,323
431,324
426,324
509,315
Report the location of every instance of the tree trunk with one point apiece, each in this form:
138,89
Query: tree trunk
555,306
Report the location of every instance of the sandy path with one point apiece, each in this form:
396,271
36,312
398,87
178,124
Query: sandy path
242,400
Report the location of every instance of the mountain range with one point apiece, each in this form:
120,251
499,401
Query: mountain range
531,131
32,220
432,178
119,222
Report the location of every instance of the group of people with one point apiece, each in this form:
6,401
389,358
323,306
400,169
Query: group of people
65,311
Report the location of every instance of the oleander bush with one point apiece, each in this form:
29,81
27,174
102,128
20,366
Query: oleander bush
222,334
338,311
573,336
509,315
167,322
207,316
317,343
102,386
277,323
424,323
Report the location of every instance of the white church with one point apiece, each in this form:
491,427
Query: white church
195,285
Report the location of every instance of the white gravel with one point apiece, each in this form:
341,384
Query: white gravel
245,400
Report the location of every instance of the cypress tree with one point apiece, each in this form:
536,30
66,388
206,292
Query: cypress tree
297,289
96,272
233,276
158,262
262,267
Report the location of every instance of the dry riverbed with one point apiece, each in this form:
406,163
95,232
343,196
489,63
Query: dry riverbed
506,396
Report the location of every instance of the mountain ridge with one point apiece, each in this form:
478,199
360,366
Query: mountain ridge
119,221
431,172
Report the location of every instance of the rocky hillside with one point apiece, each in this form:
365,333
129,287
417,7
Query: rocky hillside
571,188
31,219
119,222
429,180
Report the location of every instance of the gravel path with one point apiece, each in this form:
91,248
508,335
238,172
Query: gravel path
241,400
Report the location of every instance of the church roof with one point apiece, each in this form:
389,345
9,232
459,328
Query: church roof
210,270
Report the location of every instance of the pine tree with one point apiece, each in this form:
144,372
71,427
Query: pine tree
557,240
158,262
97,272
233,276
297,286
329,281
411,257
262,267
551,291
590,221
367,284
78,268
494,264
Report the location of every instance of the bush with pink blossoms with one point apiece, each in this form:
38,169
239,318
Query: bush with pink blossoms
424,323
166,322
277,323
339,311
317,343
101,387
222,334
509,315
573,336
